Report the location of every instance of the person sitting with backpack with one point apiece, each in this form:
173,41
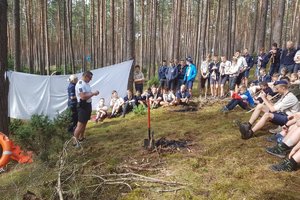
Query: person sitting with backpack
241,97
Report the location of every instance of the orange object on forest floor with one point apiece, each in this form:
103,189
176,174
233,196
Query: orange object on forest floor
12,151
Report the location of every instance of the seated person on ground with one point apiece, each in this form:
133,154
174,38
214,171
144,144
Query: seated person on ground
182,96
283,73
116,103
155,97
275,78
241,97
168,98
276,113
101,113
291,163
130,102
294,80
263,76
287,138
267,90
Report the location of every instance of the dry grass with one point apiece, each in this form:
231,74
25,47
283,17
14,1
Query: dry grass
220,166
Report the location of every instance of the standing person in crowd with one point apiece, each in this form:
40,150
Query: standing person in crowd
233,73
190,75
297,61
214,76
204,72
181,73
261,61
138,78
162,74
171,75
72,103
224,71
242,64
274,57
250,63
84,96
287,57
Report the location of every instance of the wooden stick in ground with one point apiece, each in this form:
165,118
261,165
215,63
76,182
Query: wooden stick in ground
263,103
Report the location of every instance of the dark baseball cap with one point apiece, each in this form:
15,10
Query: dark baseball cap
281,82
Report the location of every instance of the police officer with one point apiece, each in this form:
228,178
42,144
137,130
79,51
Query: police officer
84,96
72,102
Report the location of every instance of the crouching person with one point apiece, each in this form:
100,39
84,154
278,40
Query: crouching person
242,97
182,96
130,102
155,98
276,113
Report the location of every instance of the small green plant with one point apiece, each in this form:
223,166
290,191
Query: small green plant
153,81
43,136
139,110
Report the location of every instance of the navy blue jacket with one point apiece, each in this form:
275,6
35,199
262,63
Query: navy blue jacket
287,58
183,95
172,73
162,72
276,57
250,61
264,61
181,71
133,98
72,102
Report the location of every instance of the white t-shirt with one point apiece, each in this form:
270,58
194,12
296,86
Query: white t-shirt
288,104
242,63
204,67
80,87
225,67
297,57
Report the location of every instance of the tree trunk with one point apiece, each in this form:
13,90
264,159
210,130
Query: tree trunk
263,22
130,40
17,40
177,32
112,31
3,67
84,38
277,31
69,29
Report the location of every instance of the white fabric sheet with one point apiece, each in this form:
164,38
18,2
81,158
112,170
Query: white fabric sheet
35,94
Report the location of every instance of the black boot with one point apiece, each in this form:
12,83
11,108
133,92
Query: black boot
287,165
280,150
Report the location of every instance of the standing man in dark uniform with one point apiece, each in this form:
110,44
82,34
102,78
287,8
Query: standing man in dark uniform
72,102
250,63
84,96
274,56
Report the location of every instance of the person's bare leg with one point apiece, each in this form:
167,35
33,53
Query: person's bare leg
212,90
292,138
259,108
82,133
222,90
78,131
265,118
296,156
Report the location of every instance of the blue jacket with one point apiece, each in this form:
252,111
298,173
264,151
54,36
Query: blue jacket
172,73
191,73
71,93
249,98
287,58
162,72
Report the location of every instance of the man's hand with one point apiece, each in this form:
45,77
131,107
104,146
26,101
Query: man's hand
96,93
263,95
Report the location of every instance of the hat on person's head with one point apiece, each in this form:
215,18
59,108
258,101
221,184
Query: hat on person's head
72,78
281,82
189,59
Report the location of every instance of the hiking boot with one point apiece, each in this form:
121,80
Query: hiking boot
245,130
224,109
286,165
276,130
280,150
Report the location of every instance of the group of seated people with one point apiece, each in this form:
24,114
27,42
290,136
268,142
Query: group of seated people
121,106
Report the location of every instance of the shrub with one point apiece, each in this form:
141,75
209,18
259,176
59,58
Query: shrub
153,81
139,110
43,136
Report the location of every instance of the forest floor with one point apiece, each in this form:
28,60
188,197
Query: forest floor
218,164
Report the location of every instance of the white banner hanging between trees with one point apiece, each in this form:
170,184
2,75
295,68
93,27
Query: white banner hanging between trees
31,94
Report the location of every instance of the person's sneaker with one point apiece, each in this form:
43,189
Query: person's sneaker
286,165
224,109
276,130
245,130
276,137
279,150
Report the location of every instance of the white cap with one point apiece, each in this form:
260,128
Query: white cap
72,78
